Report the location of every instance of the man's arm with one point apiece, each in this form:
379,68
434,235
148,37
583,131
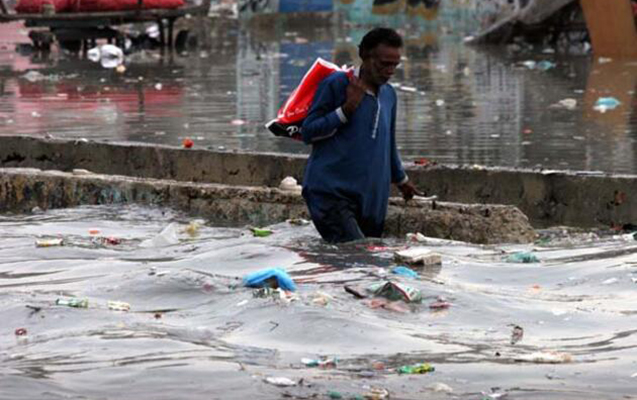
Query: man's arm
325,115
329,111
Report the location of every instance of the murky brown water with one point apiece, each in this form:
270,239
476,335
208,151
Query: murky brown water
471,106
188,334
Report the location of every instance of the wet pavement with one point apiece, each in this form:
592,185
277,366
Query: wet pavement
192,328
457,104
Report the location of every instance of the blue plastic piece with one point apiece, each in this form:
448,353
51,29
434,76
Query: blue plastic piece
545,65
404,271
607,102
260,279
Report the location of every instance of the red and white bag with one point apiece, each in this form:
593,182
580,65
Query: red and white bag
291,115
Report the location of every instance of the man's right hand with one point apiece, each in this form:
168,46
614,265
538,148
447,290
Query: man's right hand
355,93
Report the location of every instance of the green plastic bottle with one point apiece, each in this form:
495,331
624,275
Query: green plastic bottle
421,368
73,302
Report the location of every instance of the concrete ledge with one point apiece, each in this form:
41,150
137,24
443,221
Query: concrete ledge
548,199
23,189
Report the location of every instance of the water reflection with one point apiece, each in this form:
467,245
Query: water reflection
457,104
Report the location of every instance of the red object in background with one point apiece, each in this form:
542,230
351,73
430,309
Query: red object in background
188,143
64,95
20,332
124,5
35,6
424,162
113,241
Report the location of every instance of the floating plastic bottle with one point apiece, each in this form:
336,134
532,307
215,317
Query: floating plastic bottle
73,302
421,368
258,232
118,306
322,363
49,242
522,257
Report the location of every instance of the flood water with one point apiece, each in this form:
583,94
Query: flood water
193,331
457,104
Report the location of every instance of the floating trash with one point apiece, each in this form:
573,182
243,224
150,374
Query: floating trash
271,278
49,242
280,381
421,368
76,303
522,257
604,104
261,232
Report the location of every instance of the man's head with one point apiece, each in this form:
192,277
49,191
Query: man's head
380,52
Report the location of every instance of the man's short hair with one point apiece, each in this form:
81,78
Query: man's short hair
377,36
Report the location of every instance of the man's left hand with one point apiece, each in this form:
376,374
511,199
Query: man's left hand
409,190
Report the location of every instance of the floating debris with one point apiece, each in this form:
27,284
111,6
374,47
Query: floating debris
604,104
517,334
418,255
280,381
49,242
549,357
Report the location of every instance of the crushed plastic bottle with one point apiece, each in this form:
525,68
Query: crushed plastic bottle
420,368
73,302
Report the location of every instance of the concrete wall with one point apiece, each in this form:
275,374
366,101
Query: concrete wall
546,198
22,189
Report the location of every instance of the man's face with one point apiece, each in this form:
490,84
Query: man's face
382,63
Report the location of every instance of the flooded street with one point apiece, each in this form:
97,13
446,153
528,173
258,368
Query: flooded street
457,104
563,326
193,327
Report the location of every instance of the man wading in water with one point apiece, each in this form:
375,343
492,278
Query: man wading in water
351,127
